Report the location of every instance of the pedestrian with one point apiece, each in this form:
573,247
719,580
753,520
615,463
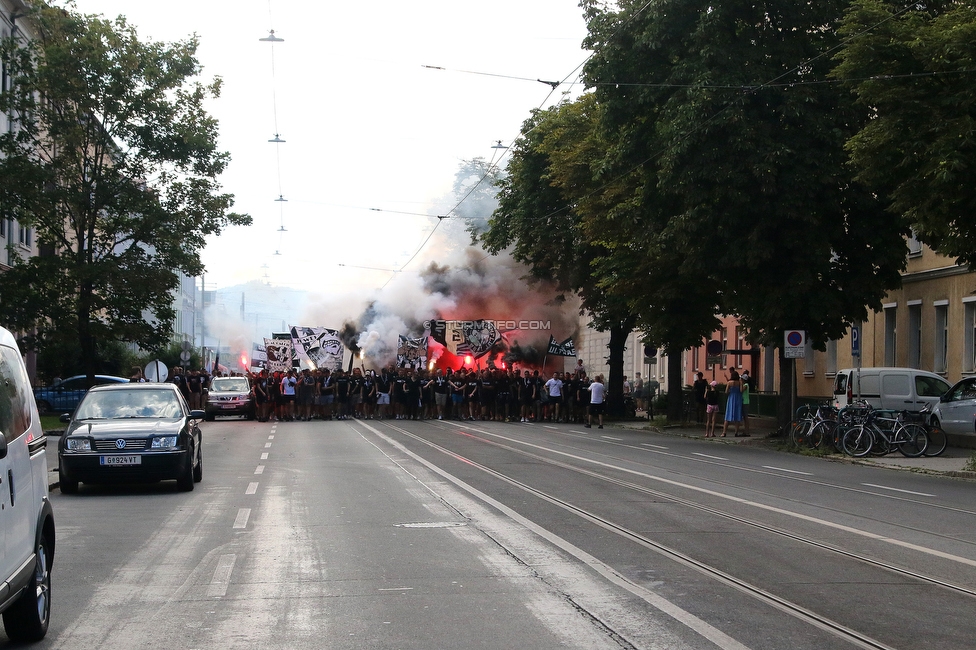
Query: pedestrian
597,391
733,403
745,403
711,408
699,390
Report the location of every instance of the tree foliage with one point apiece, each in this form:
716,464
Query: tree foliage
114,161
912,69
545,201
748,162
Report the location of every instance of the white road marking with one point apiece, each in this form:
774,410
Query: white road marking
612,438
221,578
271,437
243,514
575,431
549,426
783,469
647,444
754,504
259,469
695,453
267,445
252,488
397,589
703,628
265,455
884,487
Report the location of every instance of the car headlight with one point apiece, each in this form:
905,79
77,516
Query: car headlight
77,444
164,442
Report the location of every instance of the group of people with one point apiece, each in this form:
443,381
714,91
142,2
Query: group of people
407,394
736,404
192,383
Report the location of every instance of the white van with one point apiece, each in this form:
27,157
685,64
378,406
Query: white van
26,519
897,389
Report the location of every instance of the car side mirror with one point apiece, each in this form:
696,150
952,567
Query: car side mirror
3,446
197,414
65,417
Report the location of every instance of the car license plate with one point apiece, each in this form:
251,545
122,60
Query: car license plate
228,406
120,461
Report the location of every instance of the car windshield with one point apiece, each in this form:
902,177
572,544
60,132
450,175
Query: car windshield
119,404
230,385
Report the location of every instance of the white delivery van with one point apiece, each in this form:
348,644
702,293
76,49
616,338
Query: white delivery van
898,389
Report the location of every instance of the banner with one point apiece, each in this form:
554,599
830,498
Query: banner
318,347
564,349
461,337
278,354
259,358
412,353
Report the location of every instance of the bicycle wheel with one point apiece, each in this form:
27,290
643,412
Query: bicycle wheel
799,433
822,434
857,441
937,440
911,439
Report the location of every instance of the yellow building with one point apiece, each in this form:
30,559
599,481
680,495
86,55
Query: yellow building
929,324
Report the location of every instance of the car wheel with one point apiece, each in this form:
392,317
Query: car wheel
198,470
67,485
185,481
27,619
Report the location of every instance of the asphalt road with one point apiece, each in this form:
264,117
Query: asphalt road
397,534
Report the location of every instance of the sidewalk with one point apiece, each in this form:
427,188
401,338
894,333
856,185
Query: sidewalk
952,462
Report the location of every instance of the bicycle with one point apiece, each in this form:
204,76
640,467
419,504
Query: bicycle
937,436
907,437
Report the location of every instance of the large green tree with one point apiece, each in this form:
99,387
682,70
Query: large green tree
911,67
710,104
544,202
114,161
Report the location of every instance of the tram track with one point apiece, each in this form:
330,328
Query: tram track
763,595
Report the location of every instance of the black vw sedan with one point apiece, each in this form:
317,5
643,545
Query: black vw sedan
129,433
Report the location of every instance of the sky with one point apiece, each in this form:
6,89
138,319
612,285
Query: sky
370,132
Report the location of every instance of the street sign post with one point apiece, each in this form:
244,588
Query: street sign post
794,344
856,341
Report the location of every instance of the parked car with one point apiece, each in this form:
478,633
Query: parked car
230,396
63,396
898,389
26,517
955,412
128,433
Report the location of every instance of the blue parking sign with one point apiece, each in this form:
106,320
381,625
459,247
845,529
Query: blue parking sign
856,341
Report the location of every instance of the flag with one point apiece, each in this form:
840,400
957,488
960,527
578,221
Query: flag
319,347
461,337
564,349
279,354
412,353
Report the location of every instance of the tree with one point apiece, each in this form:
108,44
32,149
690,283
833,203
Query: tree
543,203
709,105
911,68
114,161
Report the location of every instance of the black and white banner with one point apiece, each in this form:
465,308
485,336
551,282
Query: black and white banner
278,353
318,347
412,353
564,349
461,337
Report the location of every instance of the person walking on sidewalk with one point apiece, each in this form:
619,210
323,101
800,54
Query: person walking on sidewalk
597,392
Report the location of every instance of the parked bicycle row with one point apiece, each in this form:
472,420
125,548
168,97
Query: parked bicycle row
859,429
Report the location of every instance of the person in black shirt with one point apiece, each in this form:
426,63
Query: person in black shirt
401,398
486,395
383,395
471,394
341,395
439,385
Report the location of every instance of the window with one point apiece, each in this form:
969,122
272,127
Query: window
969,337
930,386
891,334
831,358
740,344
725,346
15,410
3,227
696,357
915,334
914,246
941,336
26,236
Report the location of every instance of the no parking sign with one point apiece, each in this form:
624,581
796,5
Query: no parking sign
794,344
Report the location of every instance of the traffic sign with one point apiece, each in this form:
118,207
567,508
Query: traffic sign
156,371
185,356
856,341
713,348
794,344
